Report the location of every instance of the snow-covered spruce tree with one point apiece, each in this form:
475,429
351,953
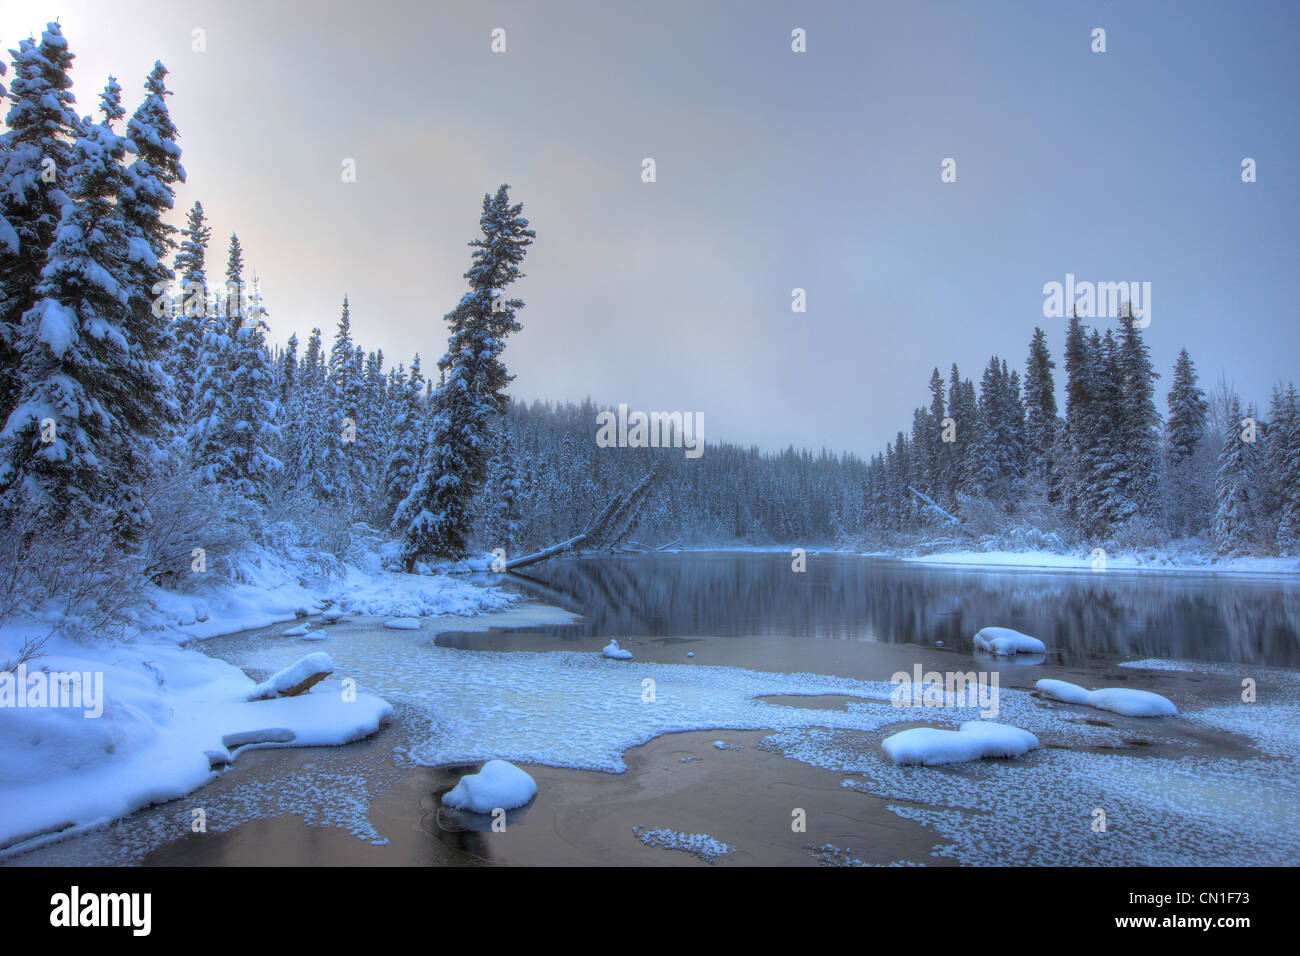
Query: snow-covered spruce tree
409,429
1234,515
286,372
940,451
190,311
1285,436
1097,486
1078,401
251,422
208,436
1041,422
435,515
346,440
1187,412
84,418
36,153
147,196
308,438
501,524
378,427
1139,424
1189,466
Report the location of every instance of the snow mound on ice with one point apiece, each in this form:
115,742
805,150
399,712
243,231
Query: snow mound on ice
299,631
1119,700
930,746
402,624
612,650
1004,642
500,785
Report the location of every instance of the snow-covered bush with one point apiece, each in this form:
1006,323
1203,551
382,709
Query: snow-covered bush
187,514
75,580
1025,538
1137,534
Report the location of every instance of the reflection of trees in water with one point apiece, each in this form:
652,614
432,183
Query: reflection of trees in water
1078,615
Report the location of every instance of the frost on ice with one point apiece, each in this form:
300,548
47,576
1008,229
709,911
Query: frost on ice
930,746
1004,642
500,785
1119,700
696,844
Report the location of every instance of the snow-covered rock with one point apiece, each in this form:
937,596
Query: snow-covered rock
499,785
930,746
295,679
331,616
300,631
1119,700
612,650
403,623
1004,642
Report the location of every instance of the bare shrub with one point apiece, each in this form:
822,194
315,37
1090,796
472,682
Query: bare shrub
186,514
79,582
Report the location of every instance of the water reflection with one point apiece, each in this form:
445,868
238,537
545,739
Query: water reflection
1081,616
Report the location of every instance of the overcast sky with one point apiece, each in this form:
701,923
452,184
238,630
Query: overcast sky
775,170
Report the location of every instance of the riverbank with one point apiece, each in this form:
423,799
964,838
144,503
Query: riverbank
1144,560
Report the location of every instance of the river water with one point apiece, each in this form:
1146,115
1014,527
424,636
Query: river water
1081,616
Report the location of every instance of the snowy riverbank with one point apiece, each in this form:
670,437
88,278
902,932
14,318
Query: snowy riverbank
1142,560
152,719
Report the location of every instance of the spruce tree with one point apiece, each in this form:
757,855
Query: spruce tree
71,443
1234,516
1187,412
190,311
1286,429
435,515
940,451
1138,421
1040,412
208,436
251,422
36,153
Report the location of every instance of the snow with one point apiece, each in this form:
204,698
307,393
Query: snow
612,650
402,623
167,710
1146,561
299,631
292,676
1120,700
58,326
1004,642
975,740
500,785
